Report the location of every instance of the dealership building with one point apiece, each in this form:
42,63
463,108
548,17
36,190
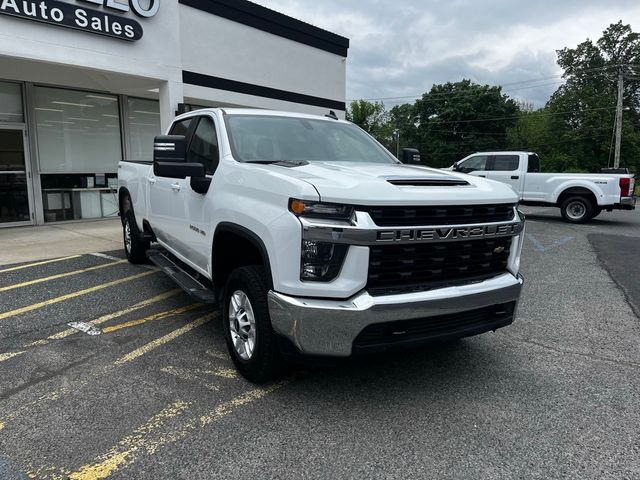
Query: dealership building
86,83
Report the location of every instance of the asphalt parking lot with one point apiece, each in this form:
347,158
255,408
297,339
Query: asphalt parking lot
555,395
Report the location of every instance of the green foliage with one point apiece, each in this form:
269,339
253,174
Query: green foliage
572,133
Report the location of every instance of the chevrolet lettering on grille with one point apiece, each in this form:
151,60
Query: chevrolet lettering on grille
444,234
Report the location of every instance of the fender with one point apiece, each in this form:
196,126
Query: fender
575,183
252,238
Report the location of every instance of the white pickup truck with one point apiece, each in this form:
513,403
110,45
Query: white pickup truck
580,196
314,239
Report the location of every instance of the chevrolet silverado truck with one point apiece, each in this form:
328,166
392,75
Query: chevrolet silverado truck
313,239
580,196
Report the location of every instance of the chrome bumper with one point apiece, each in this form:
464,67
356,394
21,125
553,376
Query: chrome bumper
329,327
627,203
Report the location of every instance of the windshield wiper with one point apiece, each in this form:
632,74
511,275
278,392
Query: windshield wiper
284,163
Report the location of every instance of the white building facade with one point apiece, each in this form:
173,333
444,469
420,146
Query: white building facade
84,84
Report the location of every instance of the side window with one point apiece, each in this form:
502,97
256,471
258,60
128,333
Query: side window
204,146
181,128
505,163
534,164
479,162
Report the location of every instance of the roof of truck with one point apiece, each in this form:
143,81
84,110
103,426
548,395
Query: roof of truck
259,111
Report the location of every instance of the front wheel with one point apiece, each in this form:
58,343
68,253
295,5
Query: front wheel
251,341
134,247
577,209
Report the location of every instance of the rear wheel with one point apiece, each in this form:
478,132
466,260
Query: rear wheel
577,209
251,341
134,247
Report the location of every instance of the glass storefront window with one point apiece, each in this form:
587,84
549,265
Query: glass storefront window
144,124
11,103
78,132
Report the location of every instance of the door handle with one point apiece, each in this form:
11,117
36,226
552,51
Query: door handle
483,176
175,187
514,177
152,181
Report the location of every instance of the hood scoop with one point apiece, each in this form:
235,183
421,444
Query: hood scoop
428,182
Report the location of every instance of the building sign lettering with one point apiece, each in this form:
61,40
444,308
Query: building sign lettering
62,14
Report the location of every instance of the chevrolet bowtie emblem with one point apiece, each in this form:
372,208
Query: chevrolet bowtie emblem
498,250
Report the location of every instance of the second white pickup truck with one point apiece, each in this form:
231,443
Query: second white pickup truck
579,196
314,239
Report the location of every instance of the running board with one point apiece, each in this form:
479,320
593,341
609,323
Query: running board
189,284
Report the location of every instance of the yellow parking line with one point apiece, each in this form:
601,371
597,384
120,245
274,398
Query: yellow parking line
164,339
39,263
124,453
110,316
155,316
35,306
144,439
60,275
8,355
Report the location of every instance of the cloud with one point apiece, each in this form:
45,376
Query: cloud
402,48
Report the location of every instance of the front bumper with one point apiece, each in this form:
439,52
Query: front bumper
330,327
626,203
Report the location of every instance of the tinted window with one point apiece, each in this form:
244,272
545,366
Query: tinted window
204,146
181,127
479,162
505,163
534,164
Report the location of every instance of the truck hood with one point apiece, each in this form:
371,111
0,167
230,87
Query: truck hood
370,184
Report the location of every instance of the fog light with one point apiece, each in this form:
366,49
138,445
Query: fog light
321,261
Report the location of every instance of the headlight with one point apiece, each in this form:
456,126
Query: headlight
321,261
306,208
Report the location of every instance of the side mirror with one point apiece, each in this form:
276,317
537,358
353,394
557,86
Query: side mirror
411,156
455,168
170,158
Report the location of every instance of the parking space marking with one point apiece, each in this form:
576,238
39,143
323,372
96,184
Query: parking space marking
109,316
12,269
60,275
125,451
142,440
104,255
35,306
189,375
539,247
155,316
164,339
8,355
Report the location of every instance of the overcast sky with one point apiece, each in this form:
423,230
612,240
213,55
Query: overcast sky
401,47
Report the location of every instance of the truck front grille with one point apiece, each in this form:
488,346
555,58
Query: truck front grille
425,266
440,215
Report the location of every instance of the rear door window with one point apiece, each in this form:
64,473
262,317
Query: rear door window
505,163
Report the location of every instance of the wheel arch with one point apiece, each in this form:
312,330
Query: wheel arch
228,234
579,191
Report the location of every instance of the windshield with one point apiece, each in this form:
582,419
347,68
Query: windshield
264,138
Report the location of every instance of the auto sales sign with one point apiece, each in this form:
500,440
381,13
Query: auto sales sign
90,20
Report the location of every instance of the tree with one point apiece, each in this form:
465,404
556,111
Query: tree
582,111
456,119
372,118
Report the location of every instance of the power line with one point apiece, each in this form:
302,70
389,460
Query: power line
490,119
596,69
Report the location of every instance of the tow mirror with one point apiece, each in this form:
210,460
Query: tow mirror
455,167
411,156
170,158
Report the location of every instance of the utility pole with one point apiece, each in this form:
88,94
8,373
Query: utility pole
616,156
398,144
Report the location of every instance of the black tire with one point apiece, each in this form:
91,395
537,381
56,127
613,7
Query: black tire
577,209
134,247
265,361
